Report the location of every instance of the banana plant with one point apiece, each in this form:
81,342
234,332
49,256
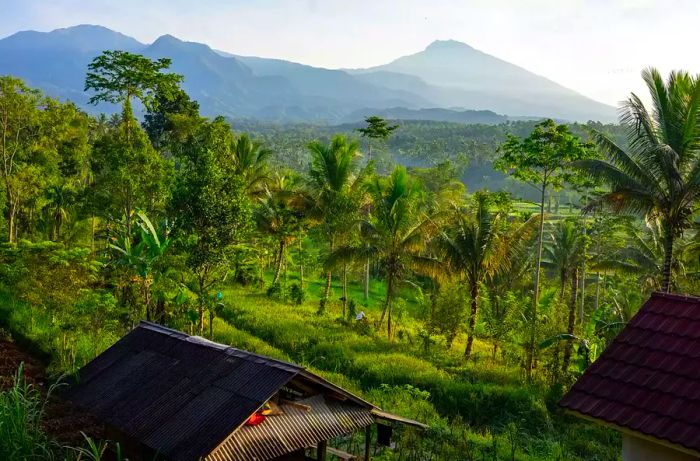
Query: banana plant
142,256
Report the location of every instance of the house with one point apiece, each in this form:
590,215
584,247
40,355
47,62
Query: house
647,382
166,395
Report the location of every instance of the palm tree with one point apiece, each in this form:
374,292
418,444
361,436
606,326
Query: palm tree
564,253
250,161
643,256
281,214
336,184
395,234
58,209
477,246
658,175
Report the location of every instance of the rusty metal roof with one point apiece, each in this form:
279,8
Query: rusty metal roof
648,380
292,430
182,396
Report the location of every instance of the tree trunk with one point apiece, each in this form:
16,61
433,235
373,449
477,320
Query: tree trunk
572,321
301,265
280,258
562,284
92,235
474,291
11,226
367,280
201,306
329,275
345,288
582,278
668,259
387,304
597,290
211,324
327,291
536,295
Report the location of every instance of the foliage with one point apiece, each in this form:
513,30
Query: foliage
209,201
113,223
117,76
658,175
21,412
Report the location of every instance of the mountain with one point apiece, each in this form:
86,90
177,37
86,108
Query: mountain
453,74
447,81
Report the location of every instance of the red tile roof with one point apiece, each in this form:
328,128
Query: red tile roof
648,379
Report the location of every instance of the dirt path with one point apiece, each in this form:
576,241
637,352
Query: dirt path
62,421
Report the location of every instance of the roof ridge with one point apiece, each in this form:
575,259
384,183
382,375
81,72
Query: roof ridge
223,348
676,296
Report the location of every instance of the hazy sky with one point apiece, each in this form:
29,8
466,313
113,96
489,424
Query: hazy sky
596,47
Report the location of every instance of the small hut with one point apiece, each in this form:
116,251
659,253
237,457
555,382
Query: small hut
166,395
647,383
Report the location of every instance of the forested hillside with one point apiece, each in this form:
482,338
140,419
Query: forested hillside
354,250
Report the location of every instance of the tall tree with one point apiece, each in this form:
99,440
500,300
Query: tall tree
128,173
19,133
211,209
542,159
478,244
336,181
564,253
395,234
377,129
118,76
658,174
250,161
158,123
281,214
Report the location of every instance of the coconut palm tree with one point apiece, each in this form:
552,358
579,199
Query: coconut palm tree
395,235
281,214
658,174
250,161
565,253
336,184
476,245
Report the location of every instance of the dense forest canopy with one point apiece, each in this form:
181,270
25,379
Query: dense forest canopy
464,275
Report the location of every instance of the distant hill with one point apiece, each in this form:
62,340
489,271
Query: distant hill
454,74
485,117
449,81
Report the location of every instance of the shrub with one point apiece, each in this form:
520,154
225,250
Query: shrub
297,294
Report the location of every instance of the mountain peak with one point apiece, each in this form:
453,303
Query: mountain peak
167,38
448,45
84,28
84,37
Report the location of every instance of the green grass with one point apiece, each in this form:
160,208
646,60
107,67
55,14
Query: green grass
484,394
468,405
21,413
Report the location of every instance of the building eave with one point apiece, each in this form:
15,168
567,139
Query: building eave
633,433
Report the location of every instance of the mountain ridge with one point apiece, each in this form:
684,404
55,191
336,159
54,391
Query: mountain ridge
281,90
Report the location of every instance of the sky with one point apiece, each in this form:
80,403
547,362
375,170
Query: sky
596,47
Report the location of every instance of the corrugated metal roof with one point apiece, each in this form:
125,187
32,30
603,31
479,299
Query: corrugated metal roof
179,395
648,379
294,429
